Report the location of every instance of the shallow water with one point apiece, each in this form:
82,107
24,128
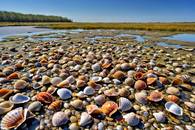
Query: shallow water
164,44
182,37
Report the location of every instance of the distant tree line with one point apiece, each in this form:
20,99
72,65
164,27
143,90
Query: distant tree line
19,17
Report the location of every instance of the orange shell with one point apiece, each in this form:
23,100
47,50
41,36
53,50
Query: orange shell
109,108
45,97
14,75
56,105
106,65
172,98
151,81
118,75
155,96
140,85
177,81
138,75
93,109
4,92
80,83
163,80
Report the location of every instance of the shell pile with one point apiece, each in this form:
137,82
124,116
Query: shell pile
72,84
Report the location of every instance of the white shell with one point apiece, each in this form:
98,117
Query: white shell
19,99
55,81
96,67
174,108
96,78
89,91
5,106
100,99
131,119
124,104
159,116
70,79
85,119
59,118
141,97
64,93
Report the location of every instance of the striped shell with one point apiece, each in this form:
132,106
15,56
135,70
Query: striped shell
109,108
14,75
20,84
93,109
45,97
4,92
85,119
5,106
59,118
124,104
56,105
155,96
140,85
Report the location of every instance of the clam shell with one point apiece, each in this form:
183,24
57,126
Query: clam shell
109,108
55,81
45,97
163,80
64,83
111,93
64,93
5,107
155,96
140,85
159,116
123,92
77,104
124,104
190,105
174,108
35,106
131,119
56,105
129,81
19,99
14,75
151,81
172,98
141,97
80,83
96,67
138,75
93,109
70,79
59,118
100,99
4,92
20,84
119,75
85,119
89,91
45,80
51,89
125,66
173,91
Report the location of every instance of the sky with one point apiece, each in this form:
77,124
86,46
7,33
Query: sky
108,10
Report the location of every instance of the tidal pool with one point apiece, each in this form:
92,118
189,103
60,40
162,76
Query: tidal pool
182,37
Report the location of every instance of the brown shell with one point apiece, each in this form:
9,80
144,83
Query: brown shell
155,96
151,81
106,65
118,75
93,110
111,93
4,92
163,80
45,97
138,75
109,108
20,84
177,81
51,89
62,84
172,98
140,85
14,75
56,105
80,83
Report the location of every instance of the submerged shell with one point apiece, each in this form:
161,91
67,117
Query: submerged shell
159,116
45,97
56,105
20,84
64,93
131,119
124,104
85,119
155,96
5,106
109,108
19,99
4,92
100,99
140,85
35,106
141,97
89,91
174,108
59,118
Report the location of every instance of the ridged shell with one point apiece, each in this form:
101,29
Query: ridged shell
109,108
5,106
174,108
64,93
4,92
155,96
89,91
19,99
100,99
159,116
141,97
131,119
124,104
119,75
140,85
173,91
35,106
14,75
45,97
172,98
59,119
85,119
20,84
123,92
56,105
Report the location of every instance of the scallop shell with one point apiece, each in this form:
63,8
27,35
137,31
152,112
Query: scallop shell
85,119
59,119
77,104
56,105
14,75
131,119
20,84
100,99
141,97
174,108
45,97
109,108
15,118
140,85
64,93
89,91
155,96
172,98
5,107
19,99
173,91
45,80
124,104
55,81
123,92
4,92
119,75
35,106
159,116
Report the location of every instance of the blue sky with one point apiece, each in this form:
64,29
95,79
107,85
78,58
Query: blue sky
108,10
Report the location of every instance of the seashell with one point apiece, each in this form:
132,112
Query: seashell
123,92
81,95
173,91
4,92
85,119
35,106
5,107
140,85
64,83
177,81
93,109
131,119
77,104
106,65
51,89
138,75
96,67
119,75
184,78
163,80
15,118
129,81
56,105
36,85
111,93
189,127
59,119
96,79
100,99
89,91
190,106
14,75
172,98
70,79
125,66
187,87
19,99
160,116
141,97
45,97
45,80
109,108
8,70
55,81
155,96
64,93
93,84
20,84
174,108
151,81
124,104
80,83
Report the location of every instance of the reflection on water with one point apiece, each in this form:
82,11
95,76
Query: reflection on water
182,37
164,44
